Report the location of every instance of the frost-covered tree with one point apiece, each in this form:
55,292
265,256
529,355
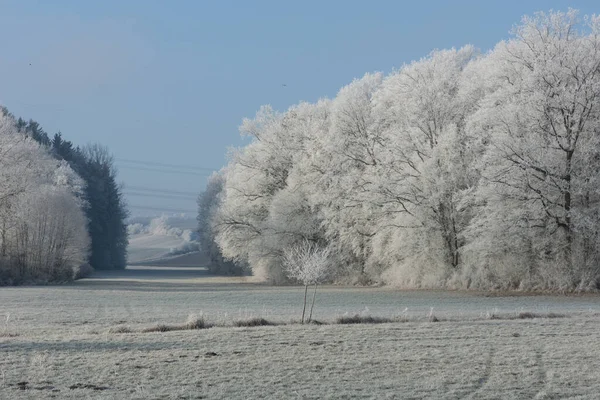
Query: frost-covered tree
50,237
43,233
104,204
295,212
457,170
265,207
254,175
209,202
424,168
542,120
349,159
308,264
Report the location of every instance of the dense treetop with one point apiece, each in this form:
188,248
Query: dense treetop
461,169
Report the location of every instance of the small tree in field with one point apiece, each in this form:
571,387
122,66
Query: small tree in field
307,263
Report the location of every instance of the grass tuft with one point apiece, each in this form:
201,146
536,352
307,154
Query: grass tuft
194,322
359,319
527,315
161,328
524,315
555,315
530,315
253,322
120,329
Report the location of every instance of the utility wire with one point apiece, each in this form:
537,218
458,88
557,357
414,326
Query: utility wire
165,209
161,191
167,171
161,196
165,165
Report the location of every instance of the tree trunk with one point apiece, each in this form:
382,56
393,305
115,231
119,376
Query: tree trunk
567,208
304,307
3,249
449,234
313,304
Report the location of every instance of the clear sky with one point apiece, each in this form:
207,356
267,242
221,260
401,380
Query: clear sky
168,82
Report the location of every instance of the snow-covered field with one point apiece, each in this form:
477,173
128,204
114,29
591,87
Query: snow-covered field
145,247
156,239
58,340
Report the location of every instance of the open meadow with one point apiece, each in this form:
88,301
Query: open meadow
86,340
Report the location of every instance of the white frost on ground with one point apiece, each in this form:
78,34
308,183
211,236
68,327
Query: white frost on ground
55,341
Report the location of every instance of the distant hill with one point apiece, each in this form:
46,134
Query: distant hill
163,240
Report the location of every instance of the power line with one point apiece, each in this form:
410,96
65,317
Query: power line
161,191
161,196
166,171
165,209
165,165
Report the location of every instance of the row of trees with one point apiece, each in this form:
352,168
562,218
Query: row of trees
458,170
60,206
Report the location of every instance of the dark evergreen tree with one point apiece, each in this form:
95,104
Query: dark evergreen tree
62,148
35,131
106,210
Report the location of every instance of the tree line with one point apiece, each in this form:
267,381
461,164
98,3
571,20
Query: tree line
459,170
60,206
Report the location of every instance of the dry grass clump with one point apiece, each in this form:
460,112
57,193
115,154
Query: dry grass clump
162,328
193,322
530,315
120,329
360,319
525,315
253,322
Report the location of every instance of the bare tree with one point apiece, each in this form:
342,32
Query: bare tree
307,263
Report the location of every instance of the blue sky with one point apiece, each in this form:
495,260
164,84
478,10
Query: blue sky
169,82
